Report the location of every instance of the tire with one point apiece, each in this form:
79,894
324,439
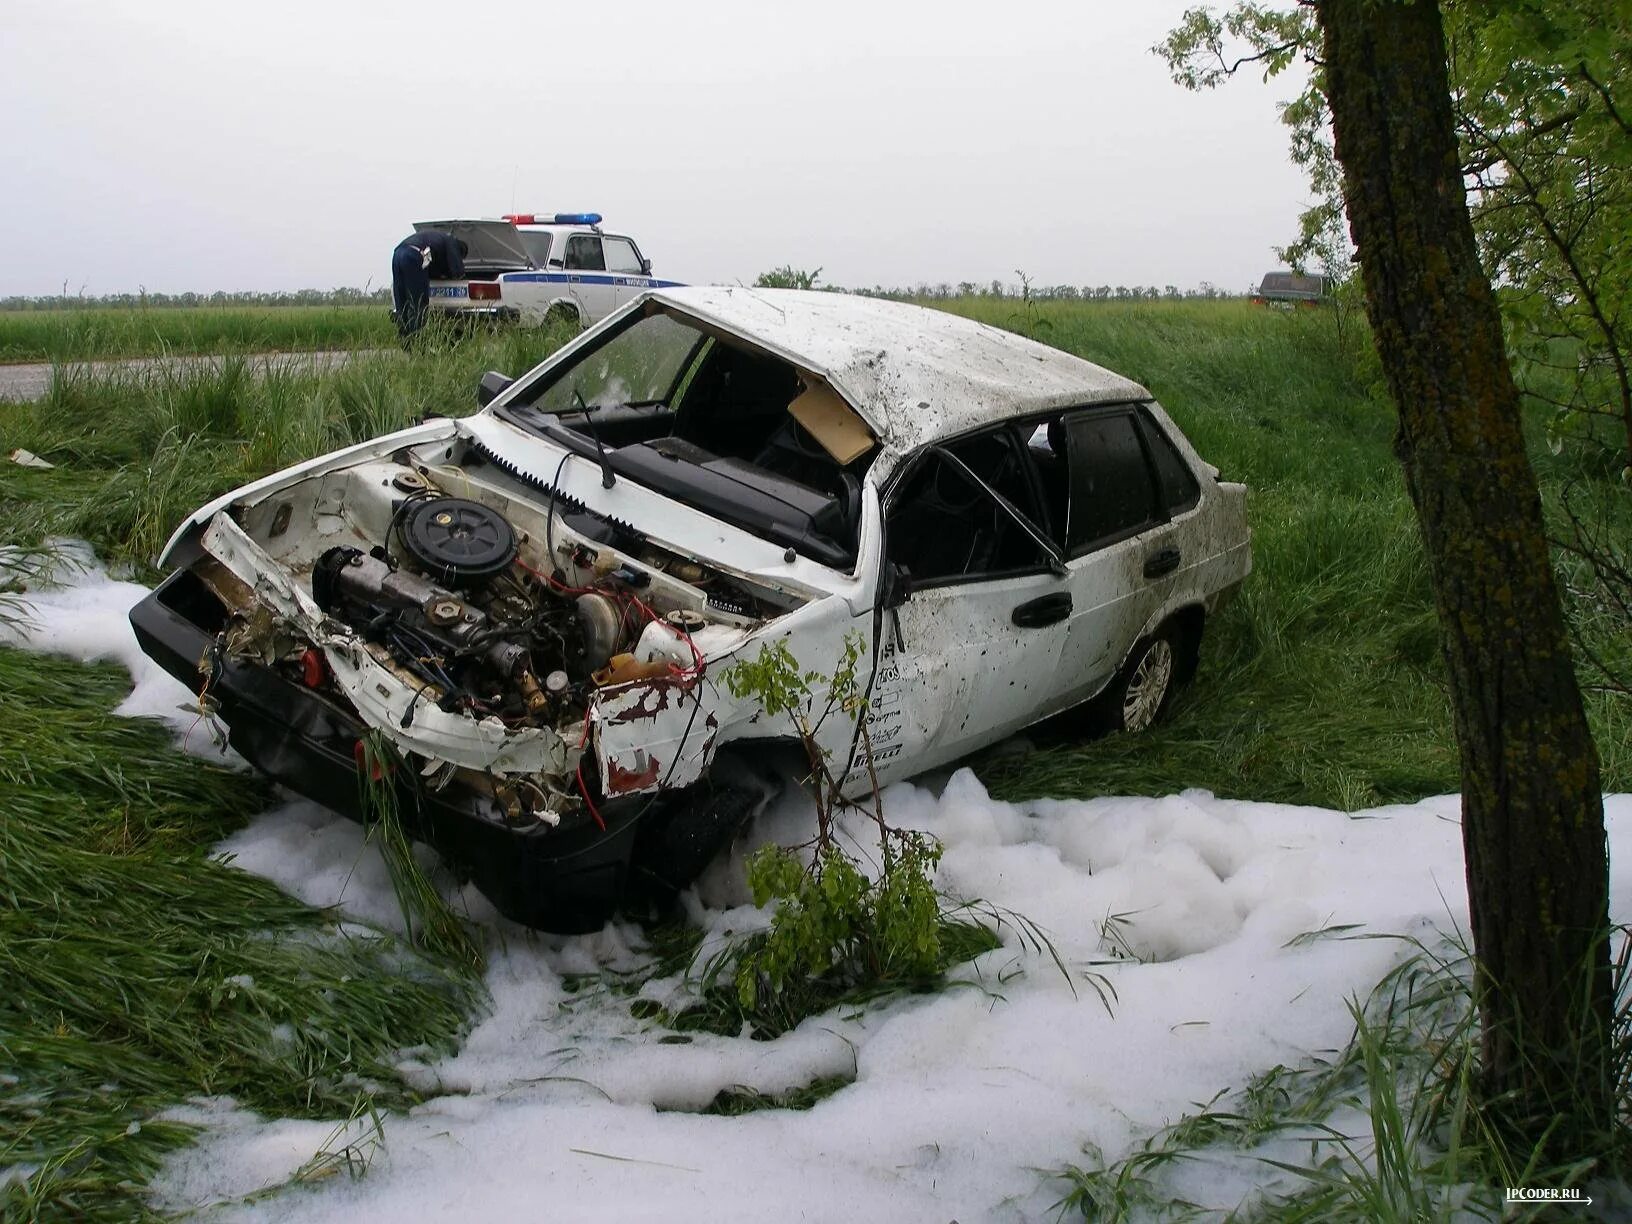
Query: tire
563,314
678,843
1141,692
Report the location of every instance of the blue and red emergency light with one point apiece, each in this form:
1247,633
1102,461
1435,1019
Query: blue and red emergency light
553,219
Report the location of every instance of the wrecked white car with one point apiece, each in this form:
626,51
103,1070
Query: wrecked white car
535,606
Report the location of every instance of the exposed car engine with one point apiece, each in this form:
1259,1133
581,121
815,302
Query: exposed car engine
486,670
460,619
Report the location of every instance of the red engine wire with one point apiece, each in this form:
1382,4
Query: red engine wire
584,791
617,596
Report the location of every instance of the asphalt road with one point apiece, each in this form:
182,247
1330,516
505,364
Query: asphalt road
29,382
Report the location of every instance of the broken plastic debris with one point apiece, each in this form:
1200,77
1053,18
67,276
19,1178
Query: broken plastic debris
622,668
28,459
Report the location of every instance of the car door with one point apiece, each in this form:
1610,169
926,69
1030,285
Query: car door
1119,541
968,650
587,282
626,267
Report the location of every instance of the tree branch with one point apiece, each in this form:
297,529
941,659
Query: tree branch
1609,102
1266,53
1494,154
1584,283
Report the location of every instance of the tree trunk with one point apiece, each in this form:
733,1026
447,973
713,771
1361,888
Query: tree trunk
1532,811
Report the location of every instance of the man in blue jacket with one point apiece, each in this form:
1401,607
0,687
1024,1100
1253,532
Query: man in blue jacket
419,259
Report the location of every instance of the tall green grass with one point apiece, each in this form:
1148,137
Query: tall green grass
137,449
80,335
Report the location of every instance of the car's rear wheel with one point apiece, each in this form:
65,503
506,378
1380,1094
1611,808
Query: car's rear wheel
1141,692
562,315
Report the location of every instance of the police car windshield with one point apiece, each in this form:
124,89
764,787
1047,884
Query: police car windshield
642,364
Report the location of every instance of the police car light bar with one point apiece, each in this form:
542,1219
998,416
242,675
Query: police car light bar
555,219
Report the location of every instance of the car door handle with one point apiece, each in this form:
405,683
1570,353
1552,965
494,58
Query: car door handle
1046,610
1162,561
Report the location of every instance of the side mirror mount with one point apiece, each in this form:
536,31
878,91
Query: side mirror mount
491,386
645,266
556,263
895,587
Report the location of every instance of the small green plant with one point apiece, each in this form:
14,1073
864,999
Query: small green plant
350,1147
775,681
1127,1189
1116,934
834,924
787,277
1027,320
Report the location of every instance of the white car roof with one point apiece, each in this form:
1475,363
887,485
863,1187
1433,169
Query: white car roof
912,373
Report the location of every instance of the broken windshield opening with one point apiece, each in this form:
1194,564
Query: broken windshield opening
640,365
725,428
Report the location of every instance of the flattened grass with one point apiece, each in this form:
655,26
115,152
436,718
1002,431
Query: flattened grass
138,972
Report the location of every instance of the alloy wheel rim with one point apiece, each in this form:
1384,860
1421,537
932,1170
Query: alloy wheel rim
1148,686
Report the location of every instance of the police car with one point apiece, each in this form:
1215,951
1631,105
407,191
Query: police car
528,267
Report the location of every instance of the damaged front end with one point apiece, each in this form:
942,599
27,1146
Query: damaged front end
540,672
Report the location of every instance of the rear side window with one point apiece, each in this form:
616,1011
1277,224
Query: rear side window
584,252
538,246
1178,487
621,255
1112,495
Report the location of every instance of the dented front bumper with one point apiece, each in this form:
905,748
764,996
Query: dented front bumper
560,879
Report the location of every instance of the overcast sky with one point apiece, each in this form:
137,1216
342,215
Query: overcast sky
182,144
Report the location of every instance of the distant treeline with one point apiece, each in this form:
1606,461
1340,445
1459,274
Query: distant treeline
345,296
945,290
1028,290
